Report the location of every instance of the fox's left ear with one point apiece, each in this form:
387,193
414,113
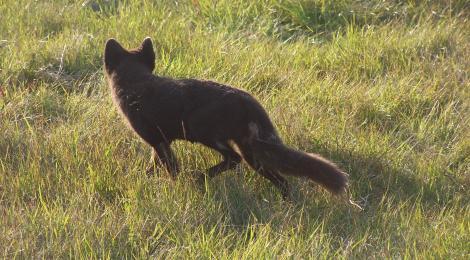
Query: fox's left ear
147,53
113,53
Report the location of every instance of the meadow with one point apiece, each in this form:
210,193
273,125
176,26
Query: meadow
380,87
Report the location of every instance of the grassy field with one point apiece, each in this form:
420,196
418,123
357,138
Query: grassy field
379,87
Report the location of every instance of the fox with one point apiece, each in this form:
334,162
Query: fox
228,120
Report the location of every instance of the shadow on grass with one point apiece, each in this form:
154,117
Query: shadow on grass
373,177
373,182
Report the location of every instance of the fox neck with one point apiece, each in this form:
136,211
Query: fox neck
128,76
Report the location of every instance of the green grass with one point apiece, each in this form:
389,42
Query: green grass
380,87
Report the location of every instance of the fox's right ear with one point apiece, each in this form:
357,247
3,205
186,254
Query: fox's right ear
113,52
147,53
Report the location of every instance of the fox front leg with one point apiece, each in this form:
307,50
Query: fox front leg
163,155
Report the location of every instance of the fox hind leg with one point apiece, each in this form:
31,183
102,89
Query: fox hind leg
230,160
275,178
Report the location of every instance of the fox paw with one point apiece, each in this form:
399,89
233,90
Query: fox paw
199,179
150,171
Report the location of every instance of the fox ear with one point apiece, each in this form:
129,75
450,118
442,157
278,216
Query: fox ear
147,53
113,52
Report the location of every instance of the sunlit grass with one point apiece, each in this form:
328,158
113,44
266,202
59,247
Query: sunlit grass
379,87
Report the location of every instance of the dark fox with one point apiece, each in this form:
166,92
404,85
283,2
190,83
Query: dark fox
228,120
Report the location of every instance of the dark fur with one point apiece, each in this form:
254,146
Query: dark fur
228,120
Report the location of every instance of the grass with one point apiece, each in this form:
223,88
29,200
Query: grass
380,87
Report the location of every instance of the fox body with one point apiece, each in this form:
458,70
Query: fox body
228,120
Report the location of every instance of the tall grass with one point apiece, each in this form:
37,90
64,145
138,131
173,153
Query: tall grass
380,87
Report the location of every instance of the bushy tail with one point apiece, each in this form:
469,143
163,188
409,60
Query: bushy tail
288,161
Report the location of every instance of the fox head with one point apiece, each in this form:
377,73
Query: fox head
116,57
